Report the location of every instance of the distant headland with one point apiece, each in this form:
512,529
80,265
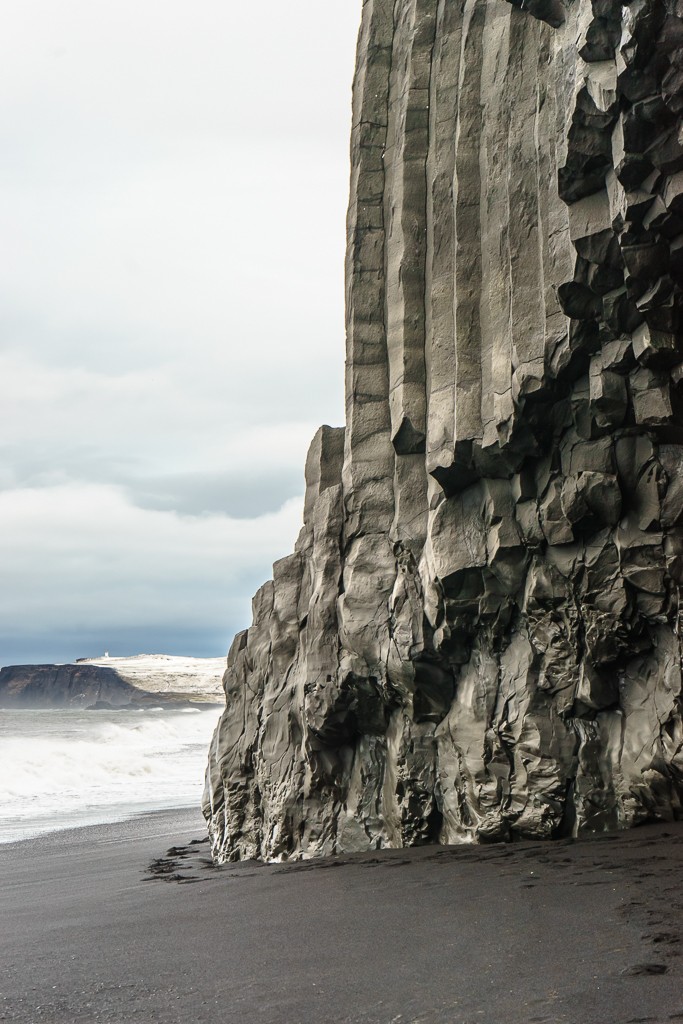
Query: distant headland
110,682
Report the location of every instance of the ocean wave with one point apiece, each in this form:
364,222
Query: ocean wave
67,768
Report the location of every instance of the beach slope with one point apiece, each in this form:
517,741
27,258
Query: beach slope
130,922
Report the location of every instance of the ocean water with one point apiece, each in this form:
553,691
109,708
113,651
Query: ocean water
64,768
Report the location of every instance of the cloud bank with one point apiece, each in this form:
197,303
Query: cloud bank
173,181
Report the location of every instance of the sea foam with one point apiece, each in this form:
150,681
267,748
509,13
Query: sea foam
62,768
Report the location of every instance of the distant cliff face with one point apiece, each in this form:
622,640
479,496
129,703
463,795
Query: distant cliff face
141,680
62,686
478,635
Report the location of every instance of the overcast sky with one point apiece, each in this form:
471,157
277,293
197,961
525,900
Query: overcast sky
173,187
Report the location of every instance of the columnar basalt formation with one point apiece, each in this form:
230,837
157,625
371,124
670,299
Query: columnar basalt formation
478,635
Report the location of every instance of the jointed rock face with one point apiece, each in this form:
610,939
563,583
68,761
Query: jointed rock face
478,635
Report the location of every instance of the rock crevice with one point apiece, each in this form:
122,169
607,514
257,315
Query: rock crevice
478,635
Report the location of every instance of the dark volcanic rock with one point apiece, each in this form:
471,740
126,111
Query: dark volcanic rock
478,635
139,680
58,686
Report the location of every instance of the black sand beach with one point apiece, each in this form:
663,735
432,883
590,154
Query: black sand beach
581,932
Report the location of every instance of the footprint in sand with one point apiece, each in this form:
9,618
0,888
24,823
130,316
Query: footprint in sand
636,970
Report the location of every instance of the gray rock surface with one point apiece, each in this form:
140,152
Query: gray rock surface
143,679
478,634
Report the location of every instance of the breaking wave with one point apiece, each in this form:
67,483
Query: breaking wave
60,769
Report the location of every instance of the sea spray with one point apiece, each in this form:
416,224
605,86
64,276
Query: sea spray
64,768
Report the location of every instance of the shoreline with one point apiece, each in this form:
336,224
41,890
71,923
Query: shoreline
133,827
71,833
131,921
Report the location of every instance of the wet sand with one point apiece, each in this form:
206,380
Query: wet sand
129,922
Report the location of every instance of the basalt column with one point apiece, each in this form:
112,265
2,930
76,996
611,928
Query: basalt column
478,635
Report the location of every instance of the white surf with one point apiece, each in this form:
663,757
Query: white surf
60,769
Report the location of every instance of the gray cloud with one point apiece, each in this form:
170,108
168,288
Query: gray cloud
172,307
84,558
240,496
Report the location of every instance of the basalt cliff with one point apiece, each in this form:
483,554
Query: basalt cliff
478,636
